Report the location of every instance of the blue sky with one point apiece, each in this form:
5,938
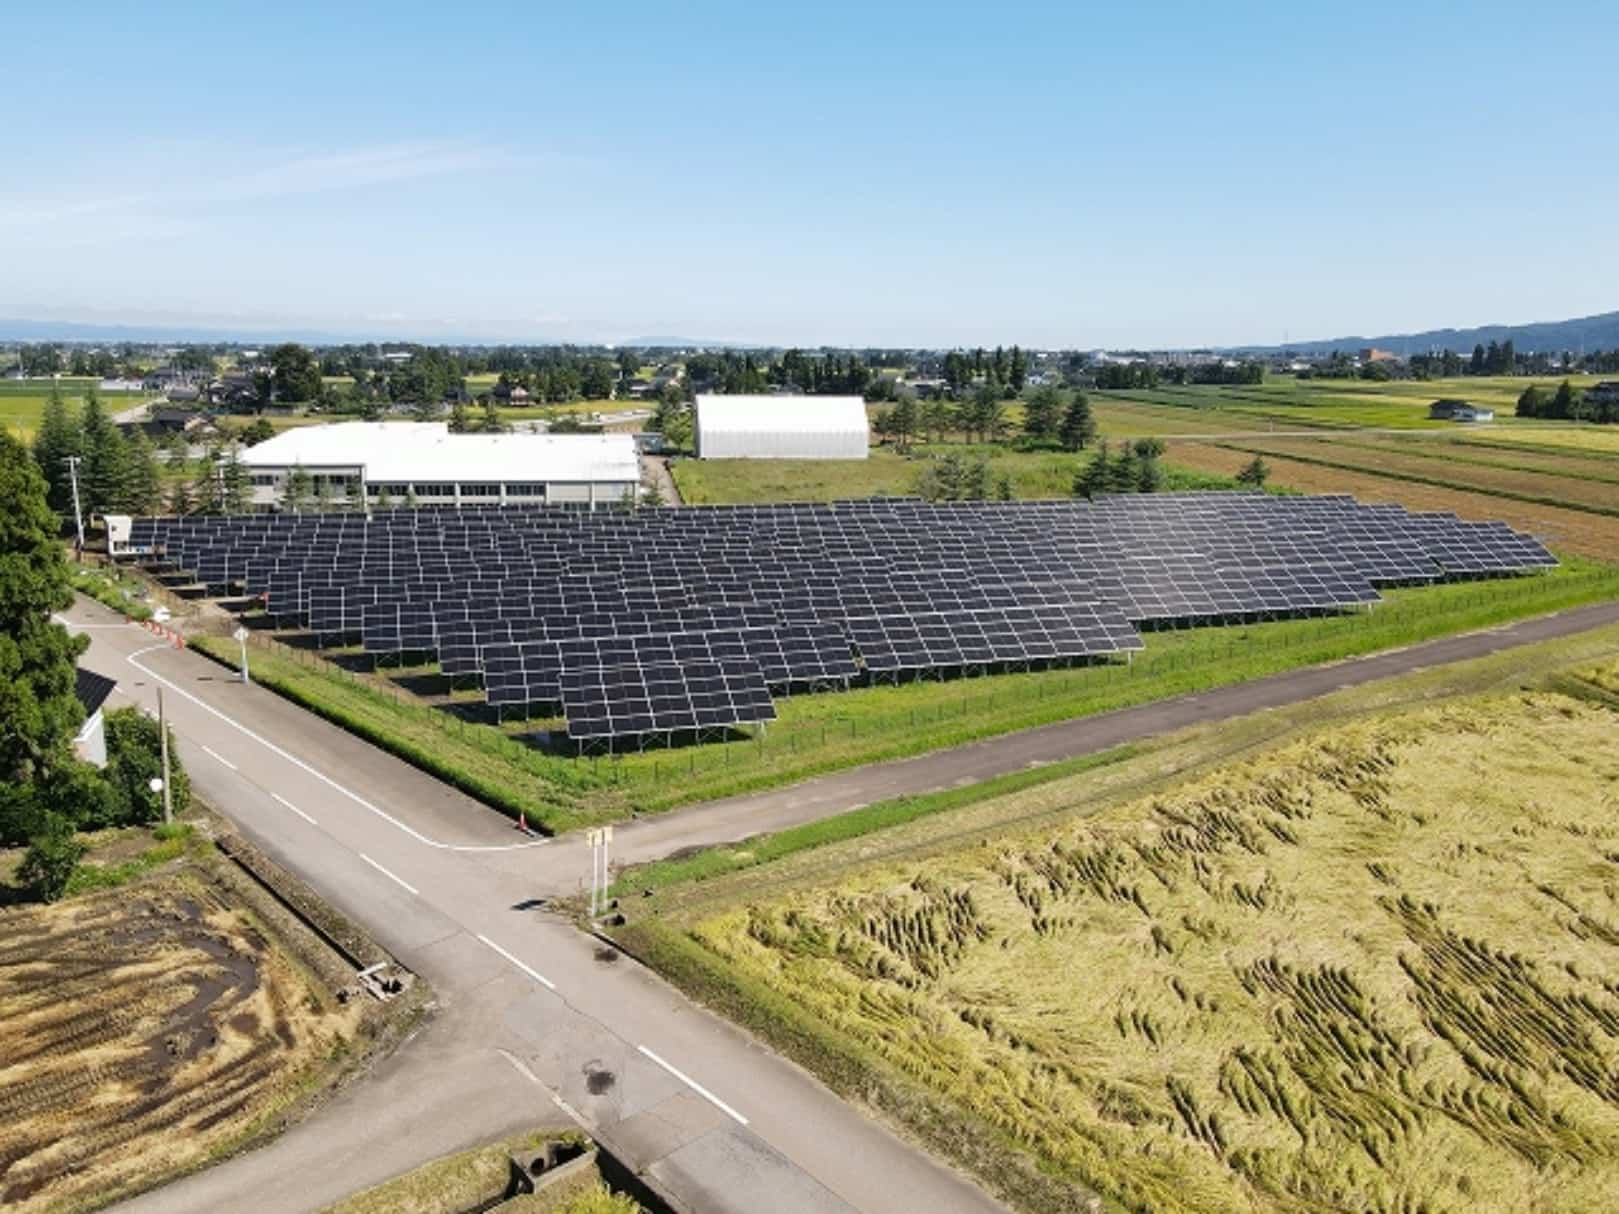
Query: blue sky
906,174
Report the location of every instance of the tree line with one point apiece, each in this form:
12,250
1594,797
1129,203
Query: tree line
121,473
1568,404
1051,419
46,793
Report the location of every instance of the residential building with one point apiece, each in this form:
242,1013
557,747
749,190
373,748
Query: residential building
92,690
1451,410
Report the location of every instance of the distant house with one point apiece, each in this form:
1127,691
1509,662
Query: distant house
1371,354
169,419
92,689
1604,393
513,394
234,389
1450,410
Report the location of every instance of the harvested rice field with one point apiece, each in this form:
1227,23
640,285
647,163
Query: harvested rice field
1370,968
143,1031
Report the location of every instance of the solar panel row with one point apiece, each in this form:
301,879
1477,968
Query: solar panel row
552,606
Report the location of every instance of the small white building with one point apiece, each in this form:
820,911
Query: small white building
92,689
423,462
781,427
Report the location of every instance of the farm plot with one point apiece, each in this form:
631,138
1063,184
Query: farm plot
1556,488
1576,440
1594,535
1551,462
142,1030
1370,969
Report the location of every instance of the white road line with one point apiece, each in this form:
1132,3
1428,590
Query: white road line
520,1067
696,1087
532,973
217,757
399,881
319,775
294,808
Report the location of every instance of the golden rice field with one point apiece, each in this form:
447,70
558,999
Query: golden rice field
1373,969
141,1030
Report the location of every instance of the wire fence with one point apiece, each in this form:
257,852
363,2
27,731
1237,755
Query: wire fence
830,729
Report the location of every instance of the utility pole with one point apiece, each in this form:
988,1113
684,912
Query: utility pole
163,742
72,462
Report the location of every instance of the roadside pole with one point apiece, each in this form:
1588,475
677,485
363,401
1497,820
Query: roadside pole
241,638
163,742
72,462
600,839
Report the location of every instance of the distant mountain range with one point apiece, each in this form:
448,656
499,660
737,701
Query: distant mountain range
1586,333
23,329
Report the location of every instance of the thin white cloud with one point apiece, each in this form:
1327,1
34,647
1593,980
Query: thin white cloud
194,192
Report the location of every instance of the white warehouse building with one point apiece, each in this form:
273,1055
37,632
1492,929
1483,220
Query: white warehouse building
423,462
781,427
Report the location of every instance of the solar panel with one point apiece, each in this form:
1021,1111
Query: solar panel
811,594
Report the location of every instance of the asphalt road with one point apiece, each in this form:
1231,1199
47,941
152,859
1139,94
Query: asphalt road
539,1018
540,1021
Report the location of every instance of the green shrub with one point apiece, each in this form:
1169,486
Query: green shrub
134,757
52,856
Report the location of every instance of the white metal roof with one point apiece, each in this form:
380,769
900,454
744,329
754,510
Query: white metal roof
783,414
428,452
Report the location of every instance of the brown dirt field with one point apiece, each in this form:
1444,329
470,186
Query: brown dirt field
143,1030
1571,530
1437,463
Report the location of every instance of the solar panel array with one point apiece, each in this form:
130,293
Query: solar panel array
672,619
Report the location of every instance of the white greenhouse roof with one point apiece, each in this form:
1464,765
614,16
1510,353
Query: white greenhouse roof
783,414
428,452
782,427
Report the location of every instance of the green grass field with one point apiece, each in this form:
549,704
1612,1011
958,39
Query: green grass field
22,402
1033,474
830,731
1355,955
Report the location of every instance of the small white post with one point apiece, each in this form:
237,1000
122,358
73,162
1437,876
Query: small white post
241,637
593,837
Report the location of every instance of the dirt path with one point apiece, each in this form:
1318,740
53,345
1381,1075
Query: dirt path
655,471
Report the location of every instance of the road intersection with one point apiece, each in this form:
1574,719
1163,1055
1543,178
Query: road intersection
541,1022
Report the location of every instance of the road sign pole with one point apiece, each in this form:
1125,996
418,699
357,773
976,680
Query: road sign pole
241,638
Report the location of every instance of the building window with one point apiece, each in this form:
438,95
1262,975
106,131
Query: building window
264,479
525,489
480,490
431,490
